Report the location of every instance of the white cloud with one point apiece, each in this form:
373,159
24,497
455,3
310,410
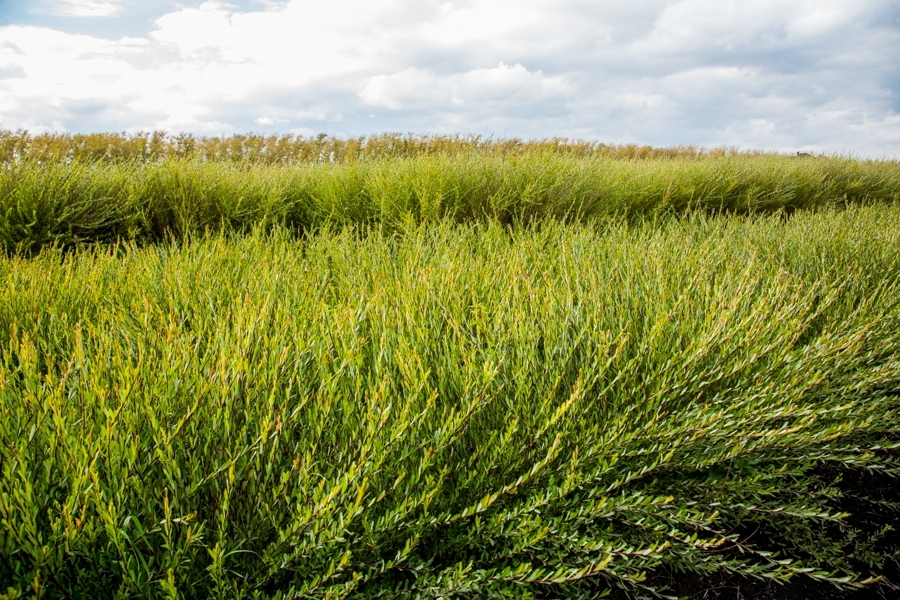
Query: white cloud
188,122
302,131
85,8
422,89
271,121
783,74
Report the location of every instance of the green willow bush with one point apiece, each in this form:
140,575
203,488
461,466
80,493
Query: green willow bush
57,203
445,410
290,149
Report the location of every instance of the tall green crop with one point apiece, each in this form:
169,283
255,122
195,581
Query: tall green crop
444,410
70,204
289,149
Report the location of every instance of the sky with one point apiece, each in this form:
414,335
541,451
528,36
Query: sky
786,75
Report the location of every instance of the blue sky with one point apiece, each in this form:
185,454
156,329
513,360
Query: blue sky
814,75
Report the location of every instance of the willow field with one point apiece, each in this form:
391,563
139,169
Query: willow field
471,371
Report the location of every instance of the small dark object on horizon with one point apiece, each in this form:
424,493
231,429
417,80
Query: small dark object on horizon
803,154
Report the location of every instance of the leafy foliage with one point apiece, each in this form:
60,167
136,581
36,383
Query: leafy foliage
289,149
444,409
71,203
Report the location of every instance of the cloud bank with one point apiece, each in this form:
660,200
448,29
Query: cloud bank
816,75
83,8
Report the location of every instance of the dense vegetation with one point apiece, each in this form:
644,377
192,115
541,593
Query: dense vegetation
290,149
451,410
63,204
438,367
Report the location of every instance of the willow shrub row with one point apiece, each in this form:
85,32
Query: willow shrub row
294,149
70,204
468,411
